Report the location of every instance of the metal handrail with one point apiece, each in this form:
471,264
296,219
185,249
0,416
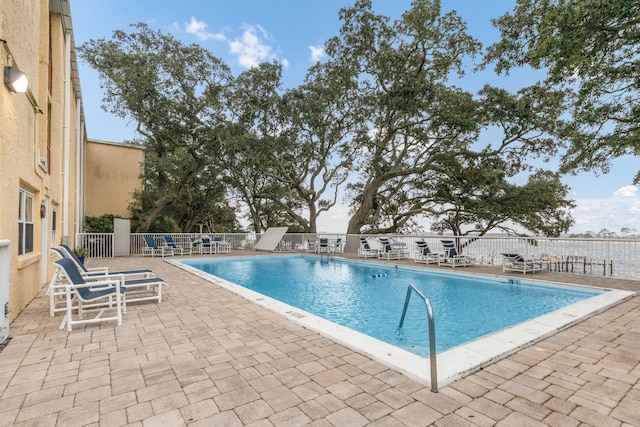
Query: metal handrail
432,332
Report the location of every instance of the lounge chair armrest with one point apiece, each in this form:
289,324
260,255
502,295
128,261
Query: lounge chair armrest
107,280
97,269
99,284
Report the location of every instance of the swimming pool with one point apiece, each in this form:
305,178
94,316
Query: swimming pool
368,298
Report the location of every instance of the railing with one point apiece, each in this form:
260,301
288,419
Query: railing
98,245
432,333
239,241
618,258
4,289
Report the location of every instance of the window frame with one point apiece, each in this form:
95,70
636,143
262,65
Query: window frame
26,224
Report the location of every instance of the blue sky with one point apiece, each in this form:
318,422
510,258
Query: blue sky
246,32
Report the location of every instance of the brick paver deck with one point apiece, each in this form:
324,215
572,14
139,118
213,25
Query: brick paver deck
207,357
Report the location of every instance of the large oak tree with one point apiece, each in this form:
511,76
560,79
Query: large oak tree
590,49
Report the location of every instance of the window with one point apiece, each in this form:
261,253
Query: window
25,223
54,215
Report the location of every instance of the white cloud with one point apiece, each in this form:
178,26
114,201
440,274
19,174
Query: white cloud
317,53
285,63
626,191
199,29
620,210
250,48
336,220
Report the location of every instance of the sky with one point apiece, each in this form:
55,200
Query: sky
244,33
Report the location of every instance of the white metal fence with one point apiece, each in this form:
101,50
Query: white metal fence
4,289
618,258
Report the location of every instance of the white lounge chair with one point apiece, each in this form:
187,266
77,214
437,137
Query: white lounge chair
152,248
311,245
337,246
64,251
365,250
57,289
392,250
424,254
93,297
452,258
221,246
516,262
178,250
323,245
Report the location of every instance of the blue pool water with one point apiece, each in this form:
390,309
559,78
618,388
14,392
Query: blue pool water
369,297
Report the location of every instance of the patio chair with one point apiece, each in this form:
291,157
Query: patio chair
178,250
425,255
323,245
311,245
452,258
152,248
516,262
207,246
392,250
365,250
221,245
56,289
141,289
64,251
337,246
91,297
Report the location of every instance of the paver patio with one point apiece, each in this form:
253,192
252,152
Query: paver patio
207,357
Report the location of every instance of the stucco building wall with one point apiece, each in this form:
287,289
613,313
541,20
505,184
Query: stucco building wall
42,140
113,175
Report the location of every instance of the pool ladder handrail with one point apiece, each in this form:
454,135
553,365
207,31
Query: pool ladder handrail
432,333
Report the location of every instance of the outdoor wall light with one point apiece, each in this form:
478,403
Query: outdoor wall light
15,80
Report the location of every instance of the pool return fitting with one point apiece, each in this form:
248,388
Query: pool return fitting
432,332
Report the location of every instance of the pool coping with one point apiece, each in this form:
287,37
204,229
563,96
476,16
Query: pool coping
452,364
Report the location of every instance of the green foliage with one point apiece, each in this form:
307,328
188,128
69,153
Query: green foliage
408,114
474,196
381,116
176,94
80,252
99,224
591,51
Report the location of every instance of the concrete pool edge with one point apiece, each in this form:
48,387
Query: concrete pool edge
454,363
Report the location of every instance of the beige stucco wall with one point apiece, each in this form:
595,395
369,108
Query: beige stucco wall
113,174
32,31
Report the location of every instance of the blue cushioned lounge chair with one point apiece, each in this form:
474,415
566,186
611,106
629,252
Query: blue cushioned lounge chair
64,251
365,250
323,245
452,258
152,248
520,264
425,255
178,250
96,297
311,245
221,246
392,250
144,288
337,247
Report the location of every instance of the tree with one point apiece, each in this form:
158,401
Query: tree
409,115
476,197
176,94
312,157
255,110
590,49
297,154
473,192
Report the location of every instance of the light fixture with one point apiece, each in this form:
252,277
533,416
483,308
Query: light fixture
15,80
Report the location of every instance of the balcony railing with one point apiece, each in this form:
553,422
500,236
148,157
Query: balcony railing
618,258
